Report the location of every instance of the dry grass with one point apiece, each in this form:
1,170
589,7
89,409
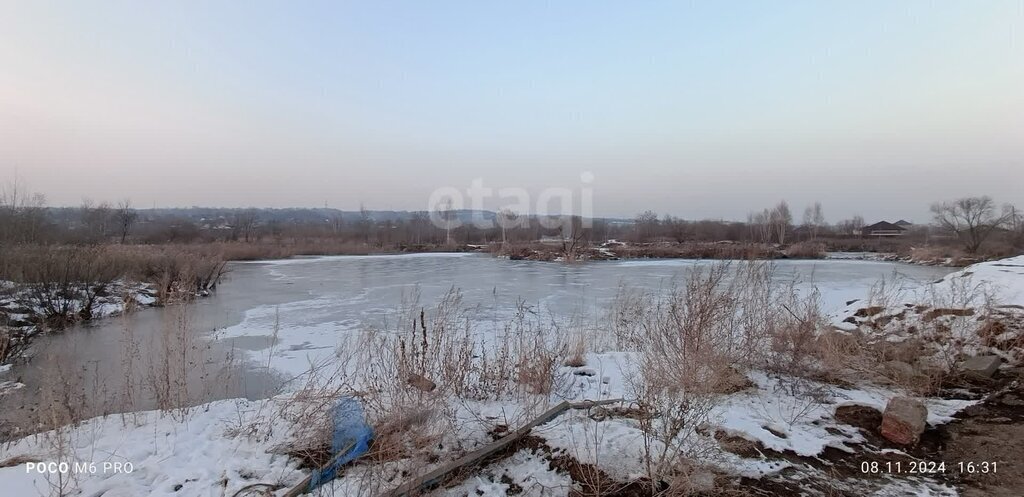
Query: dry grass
806,250
955,255
63,282
578,358
284,248
697,250
659,250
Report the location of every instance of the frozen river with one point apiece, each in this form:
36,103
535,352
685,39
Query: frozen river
312,301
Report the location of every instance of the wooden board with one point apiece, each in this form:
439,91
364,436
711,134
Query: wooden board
433,478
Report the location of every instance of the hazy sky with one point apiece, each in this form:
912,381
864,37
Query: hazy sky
698,109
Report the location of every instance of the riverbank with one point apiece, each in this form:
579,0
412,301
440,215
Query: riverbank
724,250
615,250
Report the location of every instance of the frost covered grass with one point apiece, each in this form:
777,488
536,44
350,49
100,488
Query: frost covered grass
725,354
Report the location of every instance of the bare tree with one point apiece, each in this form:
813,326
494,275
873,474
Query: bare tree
814,219
1015,224
574,237
96,220
675,227
646,225
365,223
781,219
419,223
125,217
851,226
971,219
337,223
448,214
760,226
507,218
244,225
22,214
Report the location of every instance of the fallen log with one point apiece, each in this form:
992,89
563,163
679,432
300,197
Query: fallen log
436,477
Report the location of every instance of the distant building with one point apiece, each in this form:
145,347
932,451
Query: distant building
884,228
905,224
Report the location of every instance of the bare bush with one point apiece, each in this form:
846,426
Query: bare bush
176,274
686,349
794,336
60,283
442,347
806,250
696,342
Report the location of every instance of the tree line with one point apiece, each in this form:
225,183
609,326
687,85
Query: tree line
25,219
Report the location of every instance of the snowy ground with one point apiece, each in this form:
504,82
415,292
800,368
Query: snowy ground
211,450
208,452
188,454
952,312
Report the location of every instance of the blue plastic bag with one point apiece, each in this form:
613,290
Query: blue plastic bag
349,428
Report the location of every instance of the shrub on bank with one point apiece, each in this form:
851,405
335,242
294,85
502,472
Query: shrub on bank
61,284
697,250
806,250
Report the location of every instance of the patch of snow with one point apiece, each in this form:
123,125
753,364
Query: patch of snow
807,422
1004,278
170,458
8,386
530,472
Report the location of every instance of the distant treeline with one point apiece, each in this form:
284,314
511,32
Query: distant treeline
25,219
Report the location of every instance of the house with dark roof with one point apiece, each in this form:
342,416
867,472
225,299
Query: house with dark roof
884,228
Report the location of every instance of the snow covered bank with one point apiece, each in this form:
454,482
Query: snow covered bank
977,310
224,446
203,452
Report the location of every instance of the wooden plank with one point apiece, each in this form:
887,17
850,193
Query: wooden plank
438,475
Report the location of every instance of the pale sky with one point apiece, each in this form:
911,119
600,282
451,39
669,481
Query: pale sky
699,109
